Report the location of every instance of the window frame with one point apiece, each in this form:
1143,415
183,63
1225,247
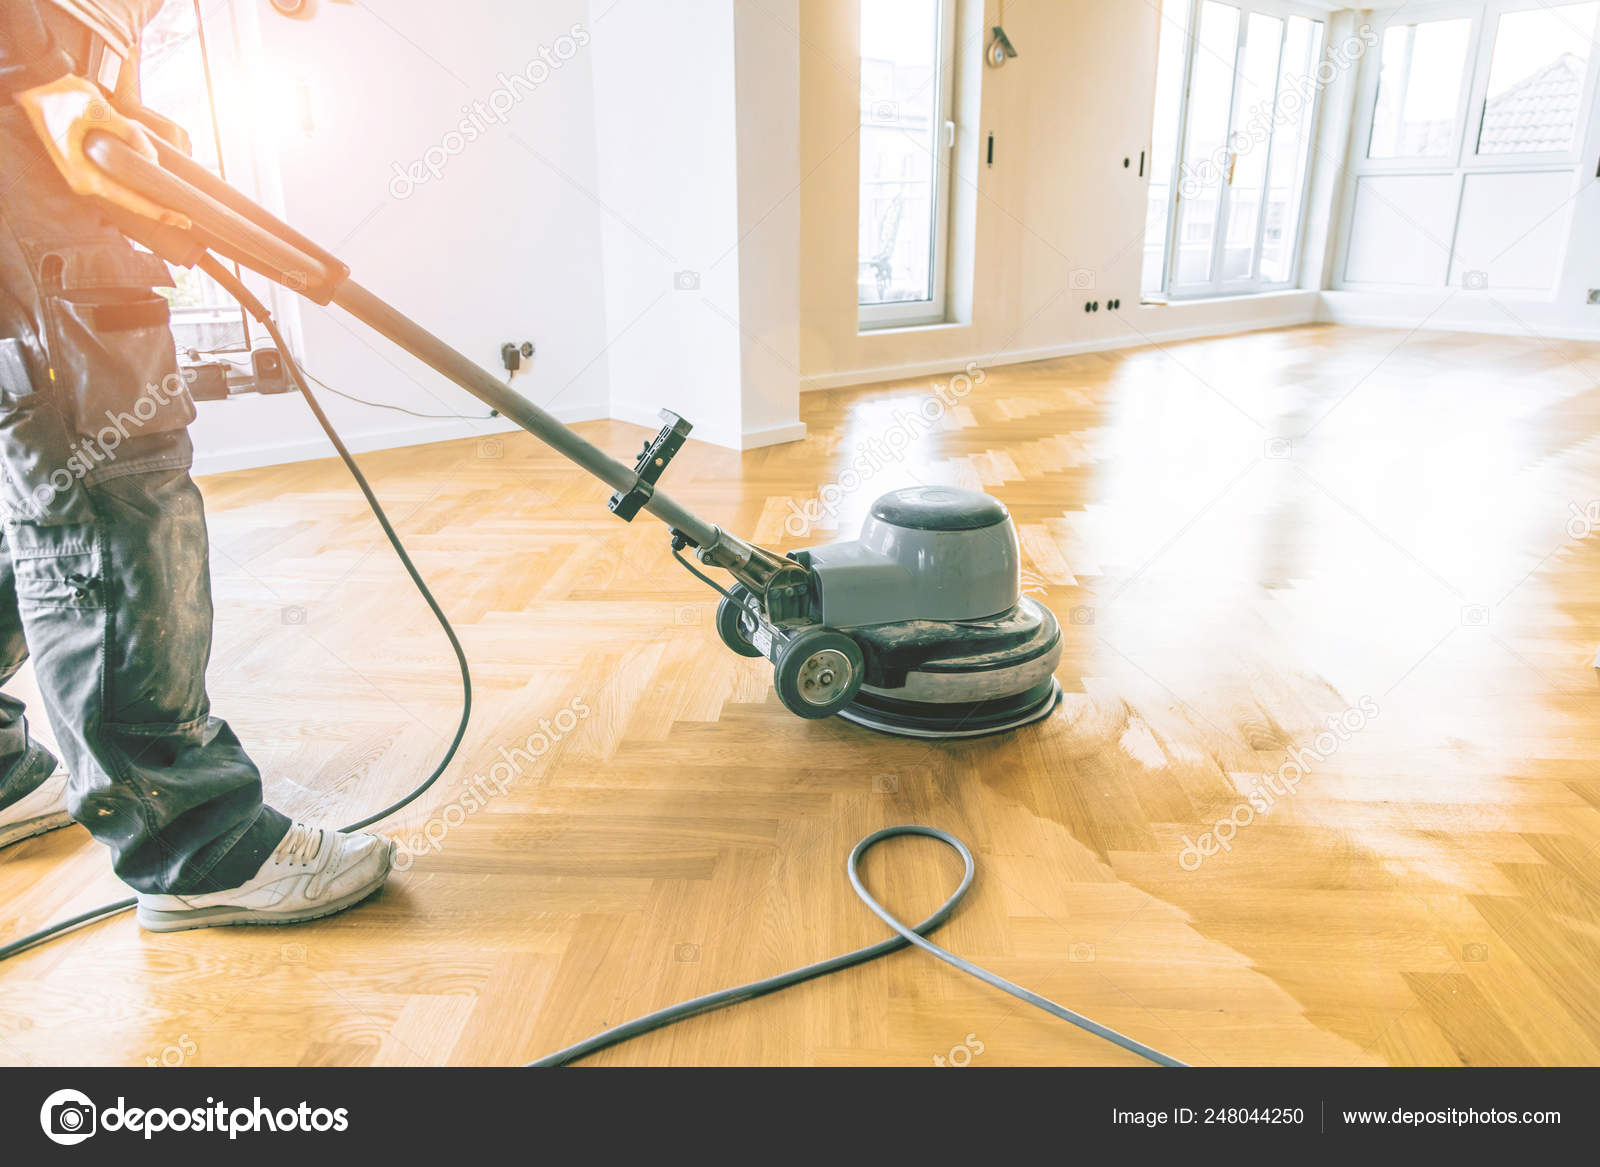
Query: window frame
915,313
1465,162
1217,288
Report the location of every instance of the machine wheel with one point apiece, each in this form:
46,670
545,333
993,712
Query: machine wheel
818,673
728,627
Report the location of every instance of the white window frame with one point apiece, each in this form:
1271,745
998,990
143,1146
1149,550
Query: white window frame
1216,288
911,313
1464,161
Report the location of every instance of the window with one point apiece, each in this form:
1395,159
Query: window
1536,80
1476,113
1231,148
176,83
1419,89
907,135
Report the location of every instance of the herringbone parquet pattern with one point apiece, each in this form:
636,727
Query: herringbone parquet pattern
1242,537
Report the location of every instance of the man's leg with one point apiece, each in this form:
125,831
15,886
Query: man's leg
118,614
32,800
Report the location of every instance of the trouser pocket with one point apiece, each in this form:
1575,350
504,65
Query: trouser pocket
112,360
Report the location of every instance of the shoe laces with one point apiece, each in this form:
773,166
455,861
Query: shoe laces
299,846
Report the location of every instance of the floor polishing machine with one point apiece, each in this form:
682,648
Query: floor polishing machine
917,627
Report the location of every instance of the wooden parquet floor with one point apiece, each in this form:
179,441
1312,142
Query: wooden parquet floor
1243,537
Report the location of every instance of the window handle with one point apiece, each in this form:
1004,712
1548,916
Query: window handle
1233,164
949,134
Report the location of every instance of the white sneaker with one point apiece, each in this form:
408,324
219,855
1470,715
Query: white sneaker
41,809
313,872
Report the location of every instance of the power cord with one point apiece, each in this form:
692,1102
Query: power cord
906,936
677,553
225,354
400,408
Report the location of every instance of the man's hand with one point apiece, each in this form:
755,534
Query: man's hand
63,113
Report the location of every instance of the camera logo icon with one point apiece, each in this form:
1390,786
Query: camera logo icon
68,1117
686,281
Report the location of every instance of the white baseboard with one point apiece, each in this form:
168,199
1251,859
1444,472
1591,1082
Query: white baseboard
279,453
1303,312
1408,313
774,435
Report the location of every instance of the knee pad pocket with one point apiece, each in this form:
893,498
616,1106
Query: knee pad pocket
64,576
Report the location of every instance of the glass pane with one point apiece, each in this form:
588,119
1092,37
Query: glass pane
1513,232
1400,229
1247,171
1541,57
1205,153
1419,88
900,109
1291,148
1164,139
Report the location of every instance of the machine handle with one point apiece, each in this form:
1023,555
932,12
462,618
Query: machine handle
226,221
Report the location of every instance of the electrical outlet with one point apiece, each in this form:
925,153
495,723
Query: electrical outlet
512,354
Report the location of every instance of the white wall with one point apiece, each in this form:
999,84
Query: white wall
505,244
767,103
696,112
668,186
